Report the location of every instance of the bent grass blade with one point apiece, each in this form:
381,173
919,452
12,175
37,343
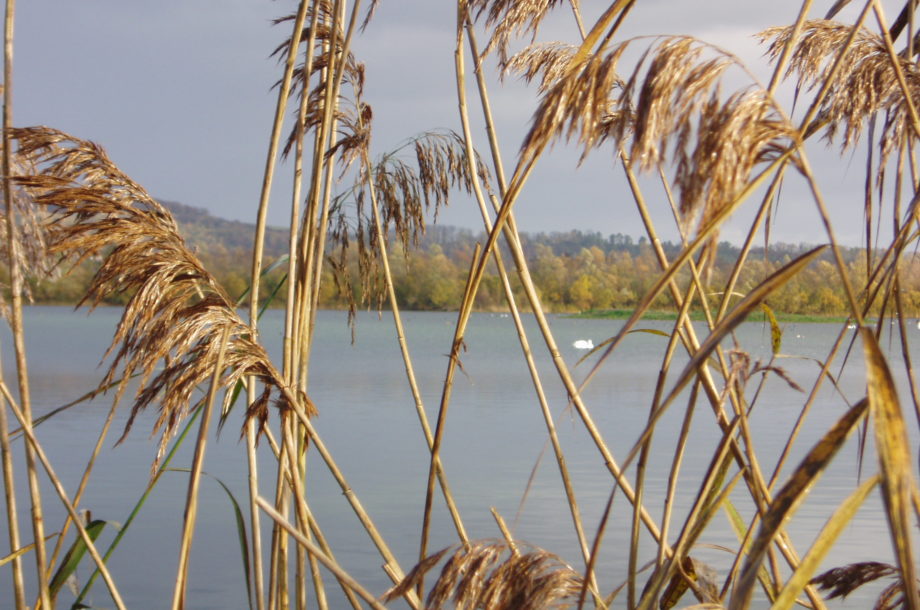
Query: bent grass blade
240,528
790,496
73,557
823,543
894,457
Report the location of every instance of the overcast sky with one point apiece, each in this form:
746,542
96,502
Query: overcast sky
178,92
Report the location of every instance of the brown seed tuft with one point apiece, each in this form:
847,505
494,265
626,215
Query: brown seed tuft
842,581
410,181
673,113
489,574
866,85
169,334
510,18
547,61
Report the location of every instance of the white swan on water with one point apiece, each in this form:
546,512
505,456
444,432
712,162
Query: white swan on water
583,344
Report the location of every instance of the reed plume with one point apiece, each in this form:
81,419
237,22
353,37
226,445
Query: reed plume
509,19
491,574
410,182
669,112
546,61
176,313
866,86
327,38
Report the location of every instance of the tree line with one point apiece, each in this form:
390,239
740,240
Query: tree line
574,271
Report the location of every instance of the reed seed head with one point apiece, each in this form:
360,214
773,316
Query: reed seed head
489,574
170,332
865,84
669,112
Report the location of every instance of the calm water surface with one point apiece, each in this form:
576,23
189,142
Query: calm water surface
495,439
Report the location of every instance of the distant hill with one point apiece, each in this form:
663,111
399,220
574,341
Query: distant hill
206,232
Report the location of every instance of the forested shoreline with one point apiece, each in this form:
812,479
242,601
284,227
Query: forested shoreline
575,271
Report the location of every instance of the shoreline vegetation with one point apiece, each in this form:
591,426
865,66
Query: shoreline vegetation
579,273
664,113
624,314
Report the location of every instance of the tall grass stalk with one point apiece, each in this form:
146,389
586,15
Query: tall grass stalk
404,351
84,481
534,301
9,496
258,246
16,289
464,26
318,553
9,486
191,502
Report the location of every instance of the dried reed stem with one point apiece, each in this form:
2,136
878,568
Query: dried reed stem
254,524
16,288
289,364
191,502
755,483
269,173
293,458
258,246
309,527
392,565
317,552
512,237
453,361
704,506
9,496
84,481
9,487
404,350
278,572
674,471
633,561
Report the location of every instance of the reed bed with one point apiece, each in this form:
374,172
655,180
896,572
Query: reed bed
666,114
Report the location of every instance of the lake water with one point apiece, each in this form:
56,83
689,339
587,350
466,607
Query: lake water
495,438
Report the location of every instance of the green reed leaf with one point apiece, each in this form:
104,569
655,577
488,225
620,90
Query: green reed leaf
73,557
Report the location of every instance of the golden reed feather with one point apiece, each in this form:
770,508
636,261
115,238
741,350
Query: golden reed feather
866,86
410,182
509,19
546,61
346,112
668,112
489,574
169,333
